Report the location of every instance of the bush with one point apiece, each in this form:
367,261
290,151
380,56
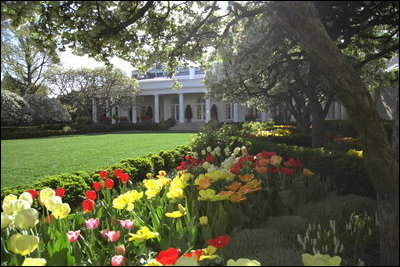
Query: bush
82,120
14,110
164,125
142,165
158,162
293,140
46,110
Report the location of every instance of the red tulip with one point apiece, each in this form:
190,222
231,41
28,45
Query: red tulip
33,193
60,192
210,158
287,171
118,172
294,163
197,253
274,170
168,257
187,157
124,178
194,162
87,205
92,195
109,183
97,186
103,174
179,168
220,241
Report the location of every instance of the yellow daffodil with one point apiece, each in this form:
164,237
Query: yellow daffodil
62,211
26,218
23,244
320,260
6,220
34,262
242,262
142,234
14,206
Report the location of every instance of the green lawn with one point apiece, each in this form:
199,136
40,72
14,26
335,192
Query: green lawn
27,160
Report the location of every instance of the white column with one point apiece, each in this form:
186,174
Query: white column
338,111
208,110
156,109
263,116
181,108
134,118
235,113
113,112
108,112
94,110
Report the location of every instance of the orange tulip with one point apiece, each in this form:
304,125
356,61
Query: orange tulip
234,186
237,197
204,183
246,177
307,172
261,170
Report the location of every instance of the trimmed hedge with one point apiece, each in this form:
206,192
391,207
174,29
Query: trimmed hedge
348,173
77,183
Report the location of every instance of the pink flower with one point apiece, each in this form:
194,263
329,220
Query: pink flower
73,235
113,235
117,260
104,233
127,224
92,223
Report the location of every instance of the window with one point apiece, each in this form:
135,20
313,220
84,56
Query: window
228,111
201,109
175,109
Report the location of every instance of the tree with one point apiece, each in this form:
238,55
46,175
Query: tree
23,63
15,111
188,113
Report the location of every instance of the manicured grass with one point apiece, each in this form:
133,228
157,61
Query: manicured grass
27,160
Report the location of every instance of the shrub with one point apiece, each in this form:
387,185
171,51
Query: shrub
83,120
46,110
158,162
14,110
142,165
188,113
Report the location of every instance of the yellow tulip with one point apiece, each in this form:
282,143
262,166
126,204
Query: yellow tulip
242,262
175,193
174,214
320,260
6,220
12,207
52,202
153,262
26,196
203,220
142,234
26,218
61,211
9,198
34,262
208,253
23,244
45,194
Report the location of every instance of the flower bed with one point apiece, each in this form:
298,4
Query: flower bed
182,217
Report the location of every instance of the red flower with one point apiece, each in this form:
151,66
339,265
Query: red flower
109,183
194,162
183,163
48,219
124,178
118,172
60,192
97,186
103,174
33,193
87,205
265,154
168,257
91,195
187,157
274,170
179,168
210,158
220,241
236,168
287,171
293,163
197,253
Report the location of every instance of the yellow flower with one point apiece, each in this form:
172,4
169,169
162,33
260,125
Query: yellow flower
12,207
207,194
275,160
182,209
358,153
152,184
126,200
23,244
153,262
149,175
175,193
9,198
162,173
208,253
45,194
242,262
174,214
6,220
307,172
203,220
203,183
320,260
150,193
52,202
26,196
34,262
62,211
134,195
142,234
26,218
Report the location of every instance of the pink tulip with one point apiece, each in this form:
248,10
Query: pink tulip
117,260
127,224
113,235
104,233
73,235
92,223
120,250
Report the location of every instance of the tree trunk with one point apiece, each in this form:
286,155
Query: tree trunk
318,128
301,20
